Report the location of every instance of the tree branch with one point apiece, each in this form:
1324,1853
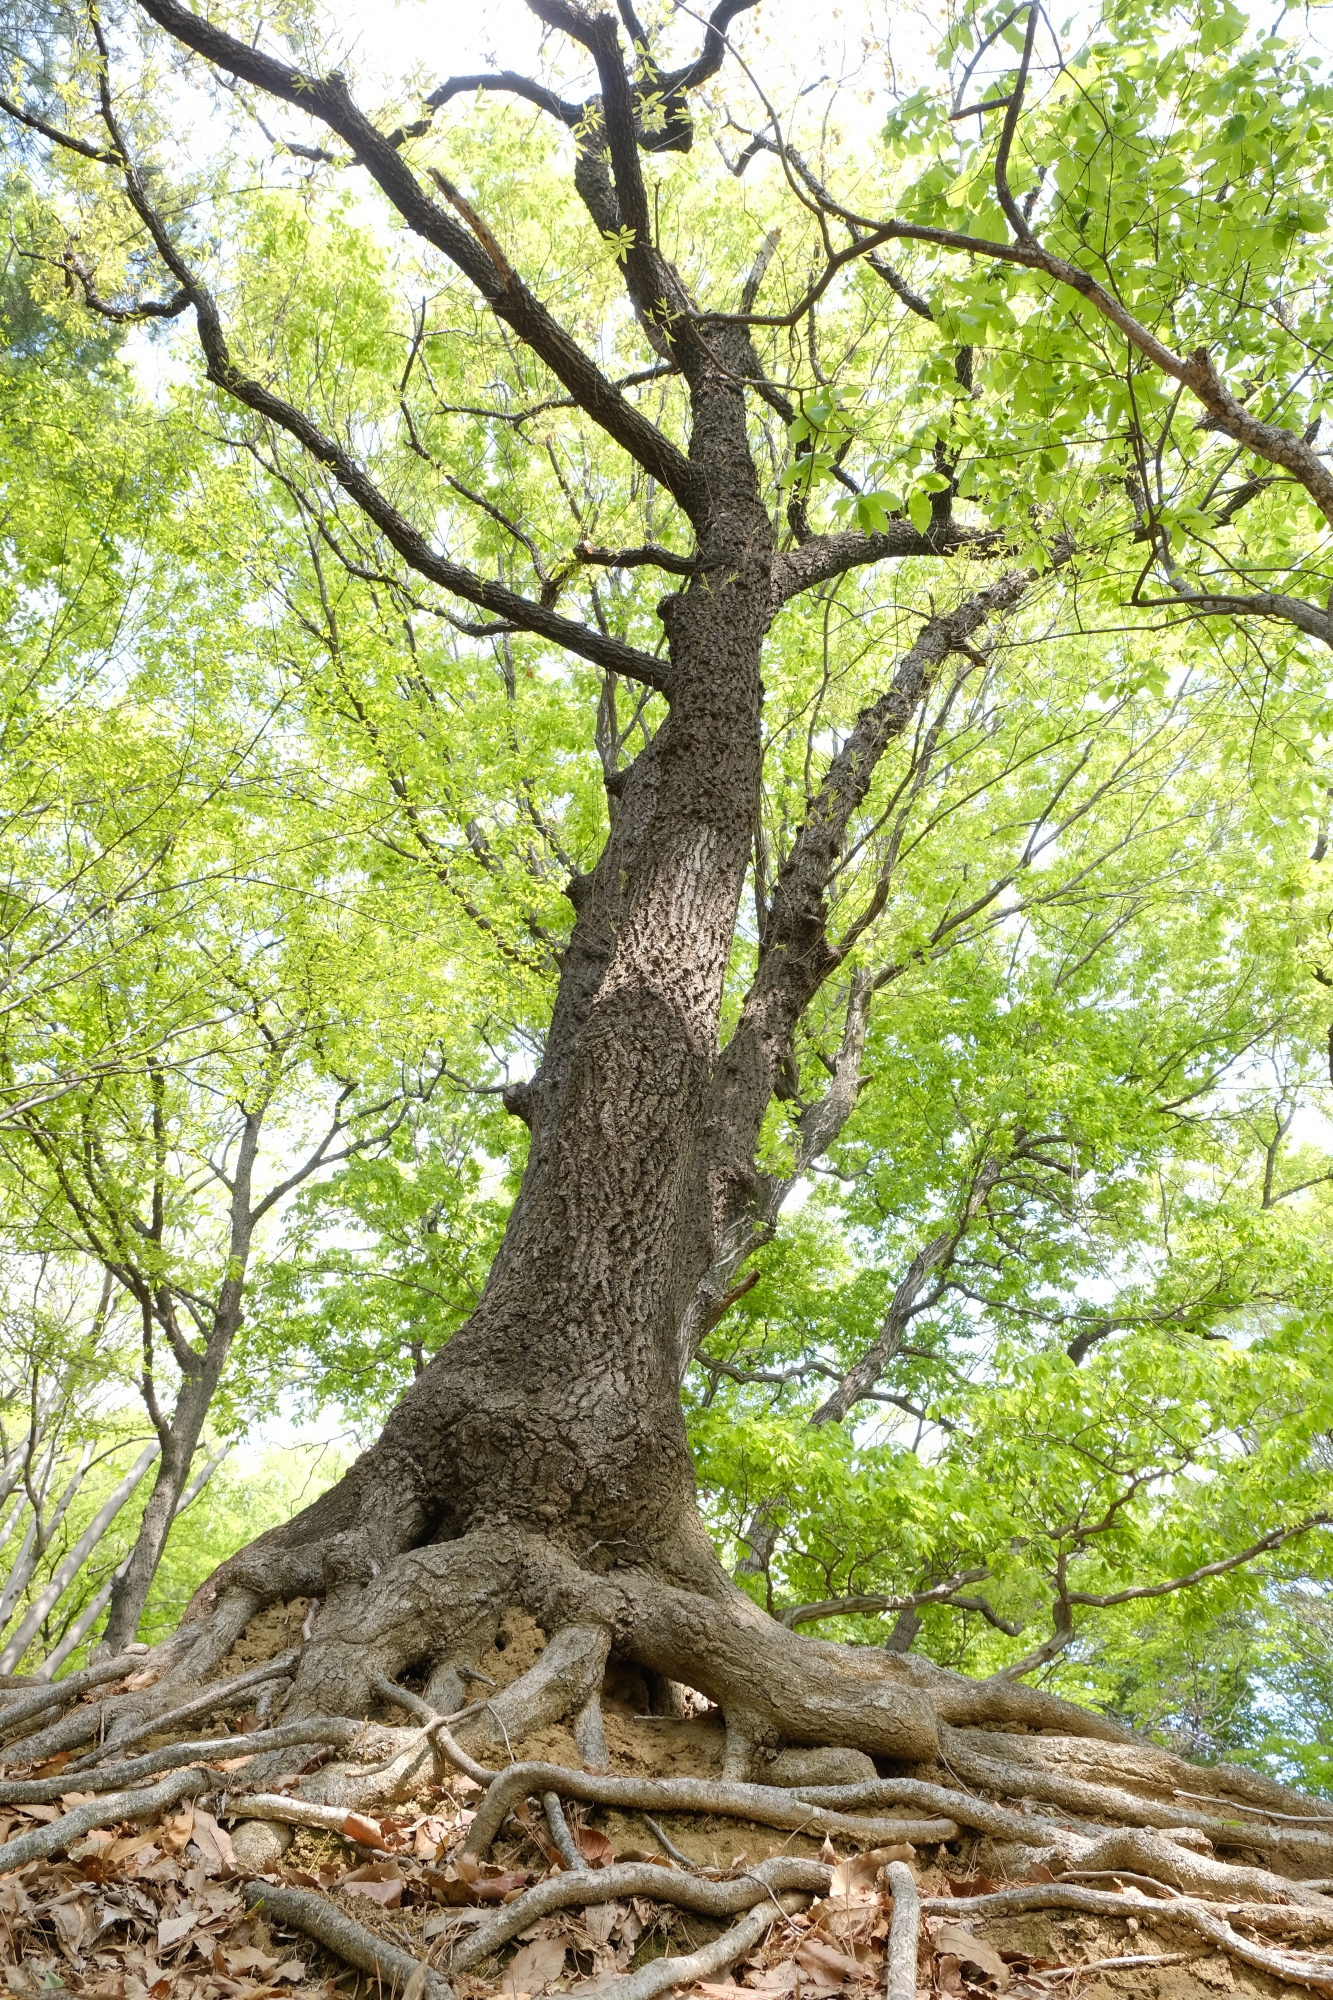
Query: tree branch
53,133
1195,371
1274,1539
328,100
826,556
521,612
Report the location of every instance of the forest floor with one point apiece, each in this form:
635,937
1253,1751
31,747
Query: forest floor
163,1907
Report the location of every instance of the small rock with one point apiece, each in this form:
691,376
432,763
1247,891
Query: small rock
260,1843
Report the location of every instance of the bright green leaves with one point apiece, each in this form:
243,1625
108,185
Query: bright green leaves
819,435
1182,165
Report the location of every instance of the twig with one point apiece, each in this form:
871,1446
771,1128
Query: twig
329,1926
669,1846
492,1710
1119,1964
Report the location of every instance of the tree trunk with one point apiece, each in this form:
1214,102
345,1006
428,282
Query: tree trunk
180,1436
541,1458
556,1408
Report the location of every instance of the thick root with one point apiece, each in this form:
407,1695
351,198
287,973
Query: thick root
106,1811
590,1887
319,1919
763,1804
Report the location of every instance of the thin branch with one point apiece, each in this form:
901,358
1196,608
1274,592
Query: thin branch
328,100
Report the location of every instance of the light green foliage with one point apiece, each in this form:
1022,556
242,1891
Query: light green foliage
263,1488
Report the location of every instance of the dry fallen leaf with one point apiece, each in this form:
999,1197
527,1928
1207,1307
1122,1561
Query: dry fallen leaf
133,1843
430,1835
534,1966
176,1831
382,1881
773,1979
247,1958
595,1848
813,1955
214,1844
972,1885
855,1878
957,1941
601,1919
367,1832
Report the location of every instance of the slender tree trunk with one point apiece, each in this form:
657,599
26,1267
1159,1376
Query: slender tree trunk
180,1436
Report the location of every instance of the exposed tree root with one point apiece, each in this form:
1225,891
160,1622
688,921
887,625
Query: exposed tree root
332,1730
900,1972
1105,1802
1053,1789
589,1887
303,1812
106,1811
1164,1861
1275,1920
30,1700
331,1927
773,1686
766,1805
1206,1923
561,1837
660,1975
128,1719
215,1697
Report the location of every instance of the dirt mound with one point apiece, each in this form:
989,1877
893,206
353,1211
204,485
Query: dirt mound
275,1629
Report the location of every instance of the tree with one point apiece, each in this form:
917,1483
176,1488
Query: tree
1084,451
186,961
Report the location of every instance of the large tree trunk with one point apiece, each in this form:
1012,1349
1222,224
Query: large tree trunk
541,1458
555,1410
